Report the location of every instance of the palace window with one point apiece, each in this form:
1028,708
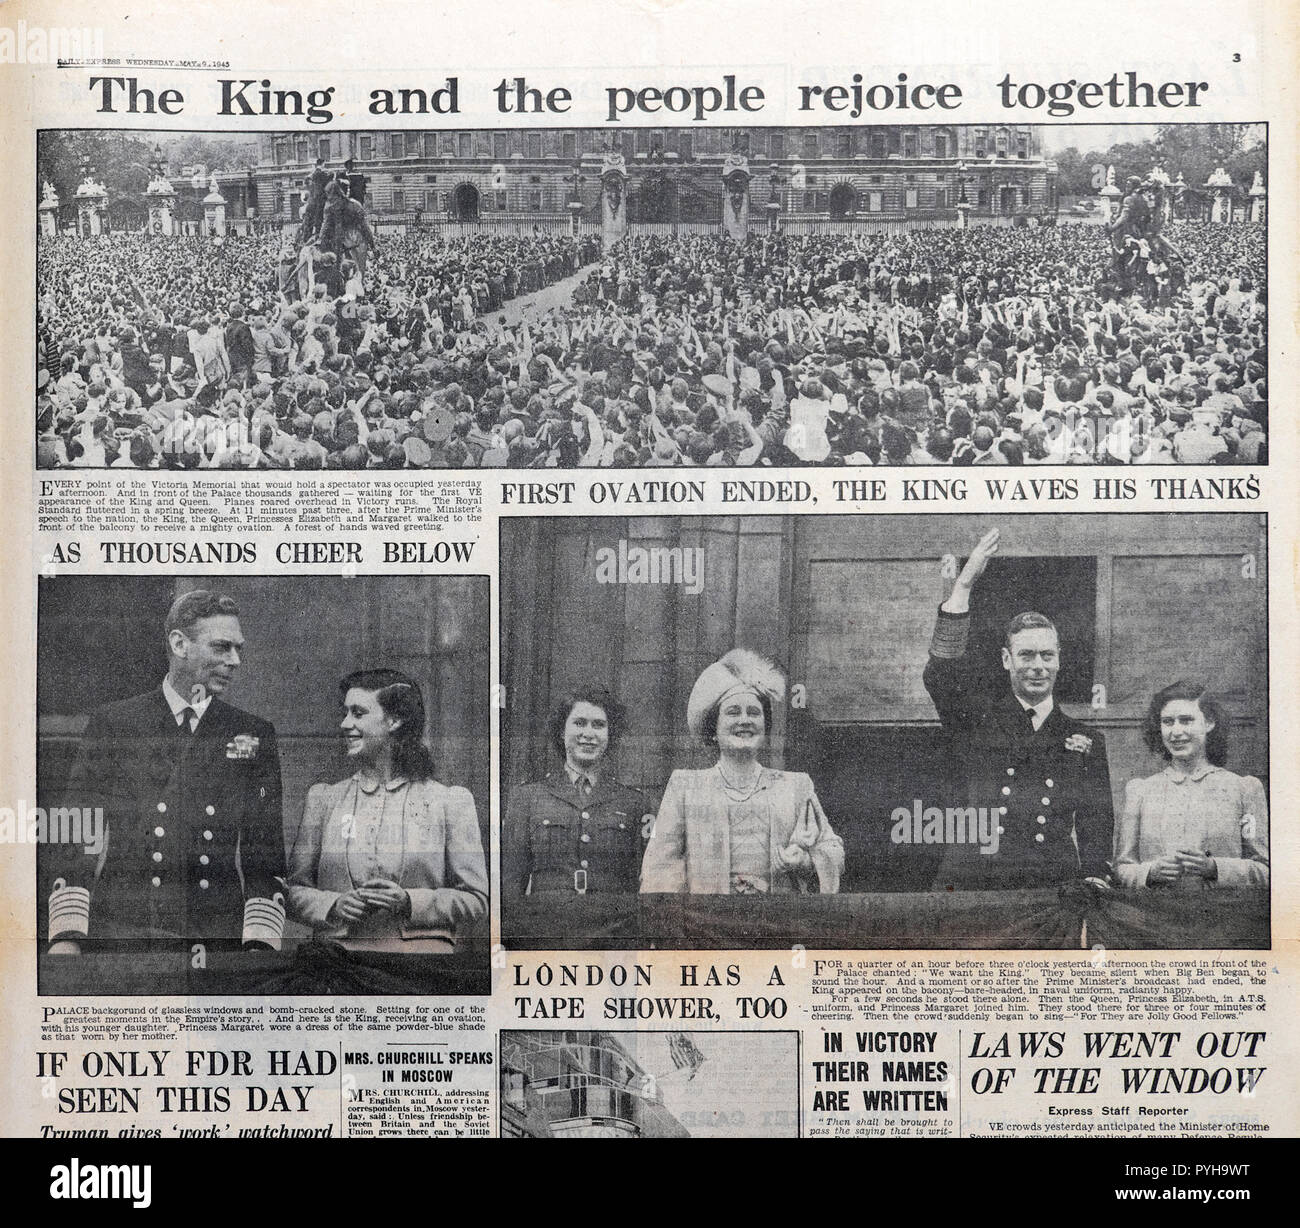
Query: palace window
465,144
500,146
398,145
776,145
569,143
909,144
399,201
940,144
366,147
844,145
532,144
810,148
430,144
910,198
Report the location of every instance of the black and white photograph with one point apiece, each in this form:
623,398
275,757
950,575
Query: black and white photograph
971,294
892,731
649,1084
263,785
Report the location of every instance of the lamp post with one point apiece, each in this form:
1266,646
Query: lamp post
963,202
776,181
575,201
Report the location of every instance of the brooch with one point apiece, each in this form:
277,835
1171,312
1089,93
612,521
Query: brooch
1078,742
242,746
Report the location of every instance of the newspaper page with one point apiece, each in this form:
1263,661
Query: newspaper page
502,640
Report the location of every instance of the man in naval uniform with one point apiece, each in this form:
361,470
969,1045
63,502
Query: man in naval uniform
1042,774
190,791
580,829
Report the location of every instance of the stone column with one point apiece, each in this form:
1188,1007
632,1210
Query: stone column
1258,199
1111,196
162,200
92,204
1221,184
214,210
735,197
48,209
613,199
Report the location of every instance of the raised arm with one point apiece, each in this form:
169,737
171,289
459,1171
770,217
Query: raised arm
946,678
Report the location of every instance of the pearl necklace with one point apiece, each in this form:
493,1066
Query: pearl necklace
737,792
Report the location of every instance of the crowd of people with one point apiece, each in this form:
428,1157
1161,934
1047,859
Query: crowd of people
932,346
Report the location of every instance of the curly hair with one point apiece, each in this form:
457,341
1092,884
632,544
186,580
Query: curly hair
400,697
1216,742
598,697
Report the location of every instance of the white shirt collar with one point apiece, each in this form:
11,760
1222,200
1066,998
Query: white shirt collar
1041,710
175,702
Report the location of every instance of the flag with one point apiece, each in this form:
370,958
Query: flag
684,1053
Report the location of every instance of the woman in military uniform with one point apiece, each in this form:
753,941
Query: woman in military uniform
740,828
388,859
580,829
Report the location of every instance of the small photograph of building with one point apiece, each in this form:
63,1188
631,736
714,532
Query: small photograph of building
598,1084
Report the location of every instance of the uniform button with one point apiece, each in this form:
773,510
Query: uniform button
207,835
586,814
1040,837
1047,801
1049,782
622,827
1040,820
209,810
162,807
203,884
1002,831
583,863
156,881
1002,810
157,857
203,860
586,839
1006,790
546,822
158,831
1011,771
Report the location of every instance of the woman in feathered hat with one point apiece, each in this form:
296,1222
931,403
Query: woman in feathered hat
739,828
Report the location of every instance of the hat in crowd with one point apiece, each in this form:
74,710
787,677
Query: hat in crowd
739,670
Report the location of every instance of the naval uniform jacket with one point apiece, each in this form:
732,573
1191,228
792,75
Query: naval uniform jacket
195,841
1049,790
558,840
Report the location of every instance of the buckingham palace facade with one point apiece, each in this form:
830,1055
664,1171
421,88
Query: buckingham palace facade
799,177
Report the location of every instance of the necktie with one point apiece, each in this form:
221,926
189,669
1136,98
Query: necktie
183,719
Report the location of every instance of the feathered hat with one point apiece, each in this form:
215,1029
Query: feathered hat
739,670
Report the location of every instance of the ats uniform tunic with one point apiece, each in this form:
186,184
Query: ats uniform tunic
559,839
1049,788
195,836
